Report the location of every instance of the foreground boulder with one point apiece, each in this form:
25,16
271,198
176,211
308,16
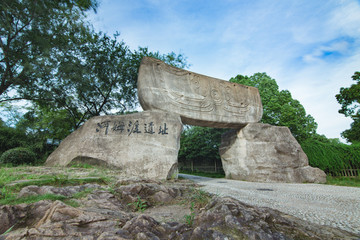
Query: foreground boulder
142,144
199,100
264,153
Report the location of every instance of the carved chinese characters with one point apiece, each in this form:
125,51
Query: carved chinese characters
131,127
200,100
143,144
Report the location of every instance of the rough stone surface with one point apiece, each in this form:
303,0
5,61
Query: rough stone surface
264,153
142,144
218,218
200,100
335,206
226,217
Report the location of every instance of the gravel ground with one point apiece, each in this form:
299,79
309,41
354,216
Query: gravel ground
322,204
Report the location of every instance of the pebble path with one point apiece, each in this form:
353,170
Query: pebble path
334,206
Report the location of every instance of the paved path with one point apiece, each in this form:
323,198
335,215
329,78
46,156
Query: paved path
322,204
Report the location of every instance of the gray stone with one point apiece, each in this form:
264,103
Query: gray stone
264,153
199,100
109,218
142,144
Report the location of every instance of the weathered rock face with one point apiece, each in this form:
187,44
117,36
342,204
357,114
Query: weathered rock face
104,214
264,153
200,100
143,144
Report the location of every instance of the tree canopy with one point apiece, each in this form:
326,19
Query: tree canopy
349,98
31,34
279,108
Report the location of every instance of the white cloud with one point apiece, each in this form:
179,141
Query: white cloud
338,47
346,18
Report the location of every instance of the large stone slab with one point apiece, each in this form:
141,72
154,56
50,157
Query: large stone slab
264,153
200,100
142,144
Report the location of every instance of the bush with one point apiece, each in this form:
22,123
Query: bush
11,138
332,157
18,156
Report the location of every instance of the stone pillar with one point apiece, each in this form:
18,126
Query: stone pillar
144,144
264,153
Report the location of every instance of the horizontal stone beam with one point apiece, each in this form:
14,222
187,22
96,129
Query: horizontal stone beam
199,100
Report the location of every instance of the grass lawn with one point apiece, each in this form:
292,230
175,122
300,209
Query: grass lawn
13,179
343,181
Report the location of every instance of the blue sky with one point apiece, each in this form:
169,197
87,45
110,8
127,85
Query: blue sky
311,48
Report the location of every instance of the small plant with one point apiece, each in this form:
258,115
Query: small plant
139,205
83,193
200,198
18,156
189,219
60,179
5,193
71,203
7,231
111,189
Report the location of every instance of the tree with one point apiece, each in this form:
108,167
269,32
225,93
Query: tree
32,32
279,108
96,78
173,59
349,98
200,146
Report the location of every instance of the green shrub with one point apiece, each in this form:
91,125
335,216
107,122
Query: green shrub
18,156
332,157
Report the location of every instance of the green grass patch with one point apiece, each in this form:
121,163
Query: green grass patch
55,181
72,203
343,181
204,174
83,194
13,179
31,199
8,175
82,165
9,198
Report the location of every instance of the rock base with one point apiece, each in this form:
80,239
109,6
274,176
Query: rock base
143,144
104,215
264,153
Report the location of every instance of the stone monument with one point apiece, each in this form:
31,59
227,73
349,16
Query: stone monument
146,144
199,100
142,144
